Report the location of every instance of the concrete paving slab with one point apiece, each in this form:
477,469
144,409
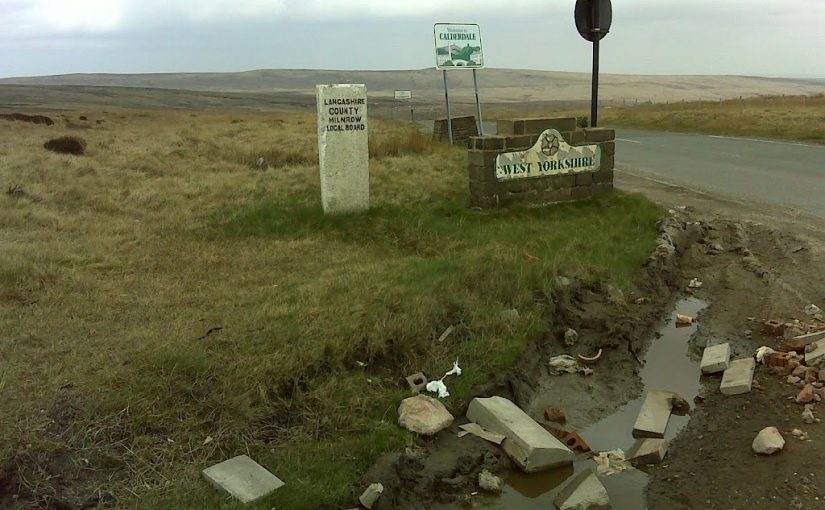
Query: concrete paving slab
817,352
738,378
585,491
811,337
715,358
654,414
243,478
531,446
648,451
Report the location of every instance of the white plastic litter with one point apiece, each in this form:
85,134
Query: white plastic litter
695,284
439,386
456,370
610,463
762,352
564,364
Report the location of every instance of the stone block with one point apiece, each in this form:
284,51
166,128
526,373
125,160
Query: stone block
598,134
738,377
581,192
490,143
576,138
505,127
609,148
555,195
537,125
485,158
343,148
715,358
530,446
584,492
584,179
648,451
603,176
654,414
602,188
518,142
608,162
243,478
562,181
816,351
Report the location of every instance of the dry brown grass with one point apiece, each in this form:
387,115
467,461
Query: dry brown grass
161,290
785,117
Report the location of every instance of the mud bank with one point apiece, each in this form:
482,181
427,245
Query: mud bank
443,472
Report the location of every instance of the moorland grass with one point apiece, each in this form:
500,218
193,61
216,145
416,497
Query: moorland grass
167,305
782,117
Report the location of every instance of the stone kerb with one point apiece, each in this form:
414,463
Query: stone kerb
489,191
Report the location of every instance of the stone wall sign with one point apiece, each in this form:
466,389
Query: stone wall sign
343,150
550,155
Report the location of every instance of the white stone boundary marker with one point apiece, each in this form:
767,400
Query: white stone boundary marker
526,442
343,148
243,478
738,378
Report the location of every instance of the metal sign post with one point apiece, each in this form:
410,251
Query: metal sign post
478,105
458,46
593,19
449,118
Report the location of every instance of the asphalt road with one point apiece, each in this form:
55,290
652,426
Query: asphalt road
778,172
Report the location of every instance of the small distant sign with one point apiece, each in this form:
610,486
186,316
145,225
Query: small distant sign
458,45
403,95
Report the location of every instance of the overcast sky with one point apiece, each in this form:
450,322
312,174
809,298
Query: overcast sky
750,37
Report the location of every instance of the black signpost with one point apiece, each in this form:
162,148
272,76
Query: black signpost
593,20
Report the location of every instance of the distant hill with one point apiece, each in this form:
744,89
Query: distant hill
497,85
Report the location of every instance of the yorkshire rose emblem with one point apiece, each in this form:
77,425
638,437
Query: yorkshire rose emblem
549,144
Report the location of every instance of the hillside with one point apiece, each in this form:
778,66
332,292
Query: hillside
498,85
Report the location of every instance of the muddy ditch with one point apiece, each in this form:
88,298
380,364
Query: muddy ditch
443,472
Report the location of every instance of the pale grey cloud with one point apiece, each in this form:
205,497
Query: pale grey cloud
766,37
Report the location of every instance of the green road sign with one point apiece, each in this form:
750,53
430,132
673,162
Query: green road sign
457,46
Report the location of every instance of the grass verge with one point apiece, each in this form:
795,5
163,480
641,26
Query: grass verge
168,305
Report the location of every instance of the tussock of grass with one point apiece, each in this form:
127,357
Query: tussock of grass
181,295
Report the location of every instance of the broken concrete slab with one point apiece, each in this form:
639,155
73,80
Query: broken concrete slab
371,495
715,358
584,492
527,443
423,415
417,382
243,478
654,414
815,352
648,451
811,337
476,430
738,378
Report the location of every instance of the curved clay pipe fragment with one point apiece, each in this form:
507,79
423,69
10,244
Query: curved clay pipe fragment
594,359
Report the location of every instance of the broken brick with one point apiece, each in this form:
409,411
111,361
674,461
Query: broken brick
555,414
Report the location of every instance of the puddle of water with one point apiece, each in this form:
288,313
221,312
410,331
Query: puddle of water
667,367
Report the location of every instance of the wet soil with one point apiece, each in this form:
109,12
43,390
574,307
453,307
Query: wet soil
768,266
